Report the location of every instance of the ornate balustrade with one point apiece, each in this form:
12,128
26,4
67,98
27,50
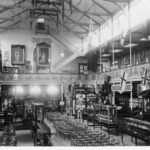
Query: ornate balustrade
134,74
49,78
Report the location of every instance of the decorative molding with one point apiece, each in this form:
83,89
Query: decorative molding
38,40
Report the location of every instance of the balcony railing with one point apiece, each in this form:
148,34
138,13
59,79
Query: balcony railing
134,74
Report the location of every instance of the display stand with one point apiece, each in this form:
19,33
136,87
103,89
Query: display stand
80,101
88,112
106,117
139,129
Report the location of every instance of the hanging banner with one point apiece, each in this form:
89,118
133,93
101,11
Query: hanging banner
123,81
145,76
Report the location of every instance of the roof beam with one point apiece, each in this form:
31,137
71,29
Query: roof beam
72,20
82,24
106,10
73,9
11,27
15,16
19,17
5,9
49,2
77,24
47,13
80,32
84,13
118,1
89,13
6,18
115,3
8,6
66,27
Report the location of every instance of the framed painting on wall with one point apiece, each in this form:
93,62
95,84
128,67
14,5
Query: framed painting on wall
18,54
43,56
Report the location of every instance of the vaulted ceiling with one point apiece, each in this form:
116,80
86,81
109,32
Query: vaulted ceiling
67,16
70,19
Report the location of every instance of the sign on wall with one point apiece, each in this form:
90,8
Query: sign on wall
117,88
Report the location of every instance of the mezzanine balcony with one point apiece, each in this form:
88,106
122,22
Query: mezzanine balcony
134,74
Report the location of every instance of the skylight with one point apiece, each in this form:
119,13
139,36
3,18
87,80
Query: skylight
140,13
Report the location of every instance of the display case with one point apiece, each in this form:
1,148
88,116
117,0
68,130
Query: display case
91,95
80,100
137,128
106,116
88,112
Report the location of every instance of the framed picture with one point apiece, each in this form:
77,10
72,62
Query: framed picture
18,54
43,56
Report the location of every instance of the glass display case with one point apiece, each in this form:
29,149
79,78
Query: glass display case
107,114
137,128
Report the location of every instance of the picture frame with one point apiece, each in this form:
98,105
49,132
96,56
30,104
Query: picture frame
43,55
18,54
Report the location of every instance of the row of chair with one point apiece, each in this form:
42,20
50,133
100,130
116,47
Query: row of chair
79,133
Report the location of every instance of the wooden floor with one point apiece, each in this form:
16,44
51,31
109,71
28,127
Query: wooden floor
59,141
24,138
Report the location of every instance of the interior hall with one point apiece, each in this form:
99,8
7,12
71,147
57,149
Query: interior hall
74,73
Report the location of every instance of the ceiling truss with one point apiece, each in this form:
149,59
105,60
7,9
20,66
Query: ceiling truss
55,10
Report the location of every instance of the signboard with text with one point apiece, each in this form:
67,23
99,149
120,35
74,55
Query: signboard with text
117,87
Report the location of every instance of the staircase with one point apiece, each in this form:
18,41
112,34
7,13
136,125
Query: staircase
66,59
